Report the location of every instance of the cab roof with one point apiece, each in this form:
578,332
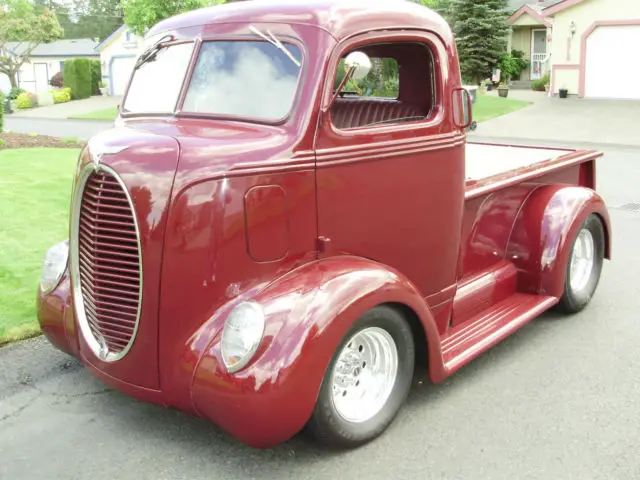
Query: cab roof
340,18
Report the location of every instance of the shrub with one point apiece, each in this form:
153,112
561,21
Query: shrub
61,96
56,80
24,101
15,91
76,75
1,114
96,77
538,85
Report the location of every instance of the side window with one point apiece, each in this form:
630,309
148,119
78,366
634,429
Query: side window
399,88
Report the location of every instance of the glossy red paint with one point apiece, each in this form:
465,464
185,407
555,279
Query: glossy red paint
540,249
309,311
318,224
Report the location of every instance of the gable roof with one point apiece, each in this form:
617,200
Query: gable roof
532,11
75,47
559,6
110,38
540,9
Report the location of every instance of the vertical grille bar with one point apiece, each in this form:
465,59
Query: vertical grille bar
106,263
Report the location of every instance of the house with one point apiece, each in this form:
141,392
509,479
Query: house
588,47
118,53
46,60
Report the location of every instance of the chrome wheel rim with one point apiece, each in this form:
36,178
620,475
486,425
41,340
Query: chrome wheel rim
364,375
582,261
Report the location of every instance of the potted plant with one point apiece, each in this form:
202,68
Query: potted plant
563,92
503,90
103,89
547,87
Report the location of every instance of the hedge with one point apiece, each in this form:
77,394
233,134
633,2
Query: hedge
76,75
96,77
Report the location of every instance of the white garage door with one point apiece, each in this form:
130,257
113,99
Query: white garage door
613,69
121,69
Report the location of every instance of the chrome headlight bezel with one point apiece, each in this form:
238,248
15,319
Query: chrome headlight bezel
54,266
242,334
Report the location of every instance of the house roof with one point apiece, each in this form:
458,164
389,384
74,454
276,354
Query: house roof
77,47
538,10
110,38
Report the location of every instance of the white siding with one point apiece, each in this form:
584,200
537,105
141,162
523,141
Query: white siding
117,57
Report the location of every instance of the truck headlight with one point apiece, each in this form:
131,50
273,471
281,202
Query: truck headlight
54,266
241,335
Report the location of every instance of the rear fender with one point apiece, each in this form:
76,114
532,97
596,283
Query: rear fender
308,312
543,233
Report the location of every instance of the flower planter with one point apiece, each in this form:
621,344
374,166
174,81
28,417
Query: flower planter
103,91
503,92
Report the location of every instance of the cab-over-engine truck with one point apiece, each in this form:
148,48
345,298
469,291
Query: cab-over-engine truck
252,246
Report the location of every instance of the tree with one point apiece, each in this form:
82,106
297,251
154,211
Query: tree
22,29
141,15
480,29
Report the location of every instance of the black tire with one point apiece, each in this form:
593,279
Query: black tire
327,425
573,301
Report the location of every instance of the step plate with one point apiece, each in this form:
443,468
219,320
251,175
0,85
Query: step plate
475,336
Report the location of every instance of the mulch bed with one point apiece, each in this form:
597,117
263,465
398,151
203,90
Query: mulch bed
25,140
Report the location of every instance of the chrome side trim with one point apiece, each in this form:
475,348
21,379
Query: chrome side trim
97,345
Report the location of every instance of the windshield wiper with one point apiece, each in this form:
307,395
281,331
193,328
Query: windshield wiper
150,53
275,42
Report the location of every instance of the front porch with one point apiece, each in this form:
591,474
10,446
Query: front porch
531,33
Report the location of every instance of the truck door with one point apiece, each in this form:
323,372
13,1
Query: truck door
390,165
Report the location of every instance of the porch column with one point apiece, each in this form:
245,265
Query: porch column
509,39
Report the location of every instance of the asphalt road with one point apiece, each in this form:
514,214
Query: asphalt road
558,400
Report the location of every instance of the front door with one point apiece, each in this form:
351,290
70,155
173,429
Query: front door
538,53
390,175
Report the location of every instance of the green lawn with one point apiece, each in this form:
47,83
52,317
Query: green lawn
35,189
485,108
488,107
105,114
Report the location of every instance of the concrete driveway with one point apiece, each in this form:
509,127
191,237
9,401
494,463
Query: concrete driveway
570,120
68,109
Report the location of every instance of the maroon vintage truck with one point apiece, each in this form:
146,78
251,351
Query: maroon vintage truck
250,245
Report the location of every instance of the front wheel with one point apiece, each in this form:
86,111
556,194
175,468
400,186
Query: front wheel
367,381
584,266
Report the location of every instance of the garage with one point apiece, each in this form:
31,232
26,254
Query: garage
121,68
611,69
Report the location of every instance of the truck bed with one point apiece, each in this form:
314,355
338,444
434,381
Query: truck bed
491,167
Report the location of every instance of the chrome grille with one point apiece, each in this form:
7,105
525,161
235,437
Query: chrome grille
107,263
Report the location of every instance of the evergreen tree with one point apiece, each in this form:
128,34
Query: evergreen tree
480,28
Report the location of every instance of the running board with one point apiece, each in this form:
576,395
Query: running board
472,338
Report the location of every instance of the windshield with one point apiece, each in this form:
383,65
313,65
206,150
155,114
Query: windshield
156,84
253,79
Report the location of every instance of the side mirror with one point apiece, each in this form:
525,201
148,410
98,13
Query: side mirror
360,62
462,114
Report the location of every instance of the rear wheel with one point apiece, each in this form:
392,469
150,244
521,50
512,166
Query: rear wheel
584,266
367,380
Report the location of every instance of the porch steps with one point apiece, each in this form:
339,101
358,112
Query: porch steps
522,85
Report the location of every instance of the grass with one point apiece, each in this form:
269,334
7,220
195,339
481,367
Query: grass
488,107
35,189
104,114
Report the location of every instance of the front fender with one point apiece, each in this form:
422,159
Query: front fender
543,233
308,312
